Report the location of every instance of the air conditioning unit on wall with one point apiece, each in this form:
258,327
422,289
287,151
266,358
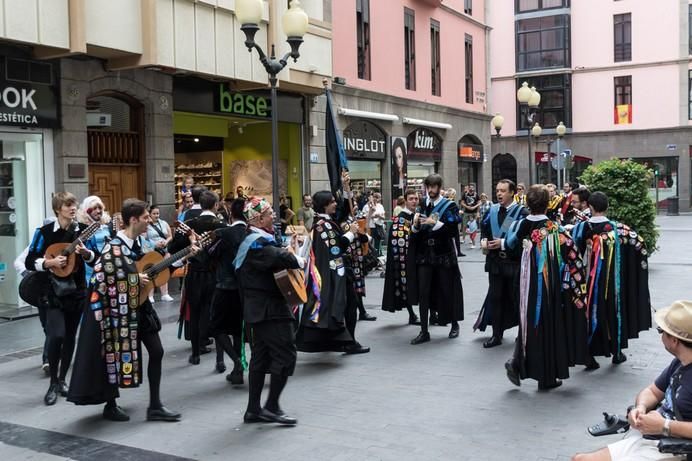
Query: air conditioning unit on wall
97,119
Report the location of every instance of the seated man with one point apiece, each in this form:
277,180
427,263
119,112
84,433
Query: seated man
664,409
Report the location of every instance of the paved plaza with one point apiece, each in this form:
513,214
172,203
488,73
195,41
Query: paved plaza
444,400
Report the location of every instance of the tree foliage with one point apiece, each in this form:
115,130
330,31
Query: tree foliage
626,183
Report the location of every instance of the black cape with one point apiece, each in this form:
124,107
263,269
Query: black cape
618,299
399,268
321,325
552,325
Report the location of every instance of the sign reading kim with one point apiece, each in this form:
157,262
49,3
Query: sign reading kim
364,139
424,144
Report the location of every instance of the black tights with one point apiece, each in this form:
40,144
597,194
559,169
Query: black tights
61,330
256,384
223,344
152,342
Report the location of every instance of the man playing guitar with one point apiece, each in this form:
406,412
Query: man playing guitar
62,306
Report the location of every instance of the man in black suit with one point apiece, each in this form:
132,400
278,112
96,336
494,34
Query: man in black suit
200,279
266,312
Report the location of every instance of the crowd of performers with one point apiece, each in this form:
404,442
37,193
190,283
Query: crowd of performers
574,295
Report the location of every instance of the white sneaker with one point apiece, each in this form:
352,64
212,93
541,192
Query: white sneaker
151,299
473,246
167,298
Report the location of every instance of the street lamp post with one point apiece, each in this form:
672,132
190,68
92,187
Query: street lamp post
560,130
295,25
529,99
535,132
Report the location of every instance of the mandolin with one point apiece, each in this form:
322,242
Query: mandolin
156,266
68,250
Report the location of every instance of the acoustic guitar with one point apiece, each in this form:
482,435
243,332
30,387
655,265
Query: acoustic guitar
291,282
68,250
156,266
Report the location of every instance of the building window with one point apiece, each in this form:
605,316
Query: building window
435,76
543,42
522,6
623,100
468,7
622,25
410,48
363,31
556,101
468,65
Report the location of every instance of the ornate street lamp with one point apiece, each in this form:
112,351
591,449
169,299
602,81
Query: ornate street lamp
295,25
497,122
529,99
560,130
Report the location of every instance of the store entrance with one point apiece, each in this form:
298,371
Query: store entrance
22,195
116,149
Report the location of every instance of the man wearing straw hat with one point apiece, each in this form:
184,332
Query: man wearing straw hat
664,408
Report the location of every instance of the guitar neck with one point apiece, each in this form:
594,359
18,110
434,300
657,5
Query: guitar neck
84,235
164,263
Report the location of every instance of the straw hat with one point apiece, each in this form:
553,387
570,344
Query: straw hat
676,320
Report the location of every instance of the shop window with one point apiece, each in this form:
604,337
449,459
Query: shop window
665,183
468,64
468,7
556,101
435,77
543,42
622,25
522,6
410,49
363,33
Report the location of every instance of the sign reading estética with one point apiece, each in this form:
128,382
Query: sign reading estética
242,103
26,103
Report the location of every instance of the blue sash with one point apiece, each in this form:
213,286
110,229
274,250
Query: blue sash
244,248
500,232
441,207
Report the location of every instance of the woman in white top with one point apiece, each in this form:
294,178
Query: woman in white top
159,233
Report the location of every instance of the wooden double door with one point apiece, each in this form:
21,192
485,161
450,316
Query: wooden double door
115,183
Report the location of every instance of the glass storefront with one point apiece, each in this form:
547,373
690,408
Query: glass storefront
22,194
665,183
366,175
418,170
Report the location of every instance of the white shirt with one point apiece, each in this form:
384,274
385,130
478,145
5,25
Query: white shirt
377,217
598,219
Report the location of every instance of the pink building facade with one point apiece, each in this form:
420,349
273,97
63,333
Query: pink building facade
409,86
617,73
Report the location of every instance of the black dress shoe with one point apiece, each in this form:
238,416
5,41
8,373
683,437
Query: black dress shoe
512,373
250,417
463,255
235,376
62,388
366,316
413,320
619,358
115,413
548,386
52,394
162,414
492,342
220,367
277,417
204,350
592,364
194,359
454,332
356,348
423,337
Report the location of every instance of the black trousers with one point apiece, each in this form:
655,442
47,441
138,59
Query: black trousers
62,321
351,312
503,288
199,290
